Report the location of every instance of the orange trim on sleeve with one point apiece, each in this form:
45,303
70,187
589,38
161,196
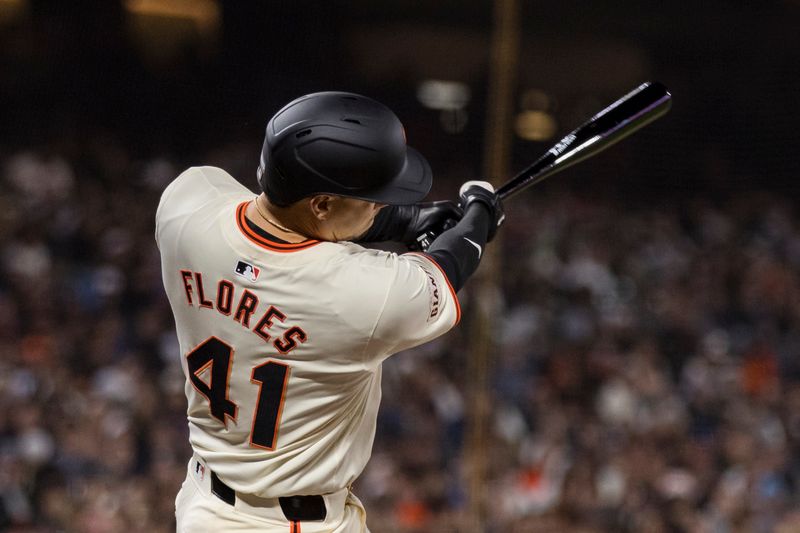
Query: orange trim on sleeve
266,243
452,290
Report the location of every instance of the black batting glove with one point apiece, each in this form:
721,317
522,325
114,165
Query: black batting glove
482,192
404,223
431,218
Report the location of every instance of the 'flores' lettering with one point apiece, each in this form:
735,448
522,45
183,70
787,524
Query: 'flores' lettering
241,308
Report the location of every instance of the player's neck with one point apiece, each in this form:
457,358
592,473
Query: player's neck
274,221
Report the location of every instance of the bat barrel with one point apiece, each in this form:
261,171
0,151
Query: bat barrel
620,119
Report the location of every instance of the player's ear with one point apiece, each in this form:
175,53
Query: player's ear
321,206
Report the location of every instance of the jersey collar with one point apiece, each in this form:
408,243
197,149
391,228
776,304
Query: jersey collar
262,240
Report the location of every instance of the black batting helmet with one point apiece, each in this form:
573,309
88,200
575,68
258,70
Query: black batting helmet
344,144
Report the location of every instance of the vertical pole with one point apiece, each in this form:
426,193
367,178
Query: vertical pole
497,145
502,81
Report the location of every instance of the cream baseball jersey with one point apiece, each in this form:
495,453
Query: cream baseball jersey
282,343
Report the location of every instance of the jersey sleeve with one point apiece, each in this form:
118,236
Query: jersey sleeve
420,305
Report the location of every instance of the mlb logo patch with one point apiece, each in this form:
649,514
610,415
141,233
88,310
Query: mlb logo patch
246,270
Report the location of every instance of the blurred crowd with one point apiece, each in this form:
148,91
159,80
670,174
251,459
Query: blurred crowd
644,374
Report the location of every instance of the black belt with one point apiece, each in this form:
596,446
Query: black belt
295,508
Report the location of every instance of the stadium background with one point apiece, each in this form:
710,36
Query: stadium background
645,372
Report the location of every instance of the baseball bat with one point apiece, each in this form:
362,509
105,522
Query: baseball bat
628,114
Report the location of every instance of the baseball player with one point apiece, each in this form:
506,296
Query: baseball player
284,319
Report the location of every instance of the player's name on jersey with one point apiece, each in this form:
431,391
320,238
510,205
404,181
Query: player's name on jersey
243,312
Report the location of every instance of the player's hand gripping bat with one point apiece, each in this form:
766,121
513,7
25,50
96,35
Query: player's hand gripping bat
630,113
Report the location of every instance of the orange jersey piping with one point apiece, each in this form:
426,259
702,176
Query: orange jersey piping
266,243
